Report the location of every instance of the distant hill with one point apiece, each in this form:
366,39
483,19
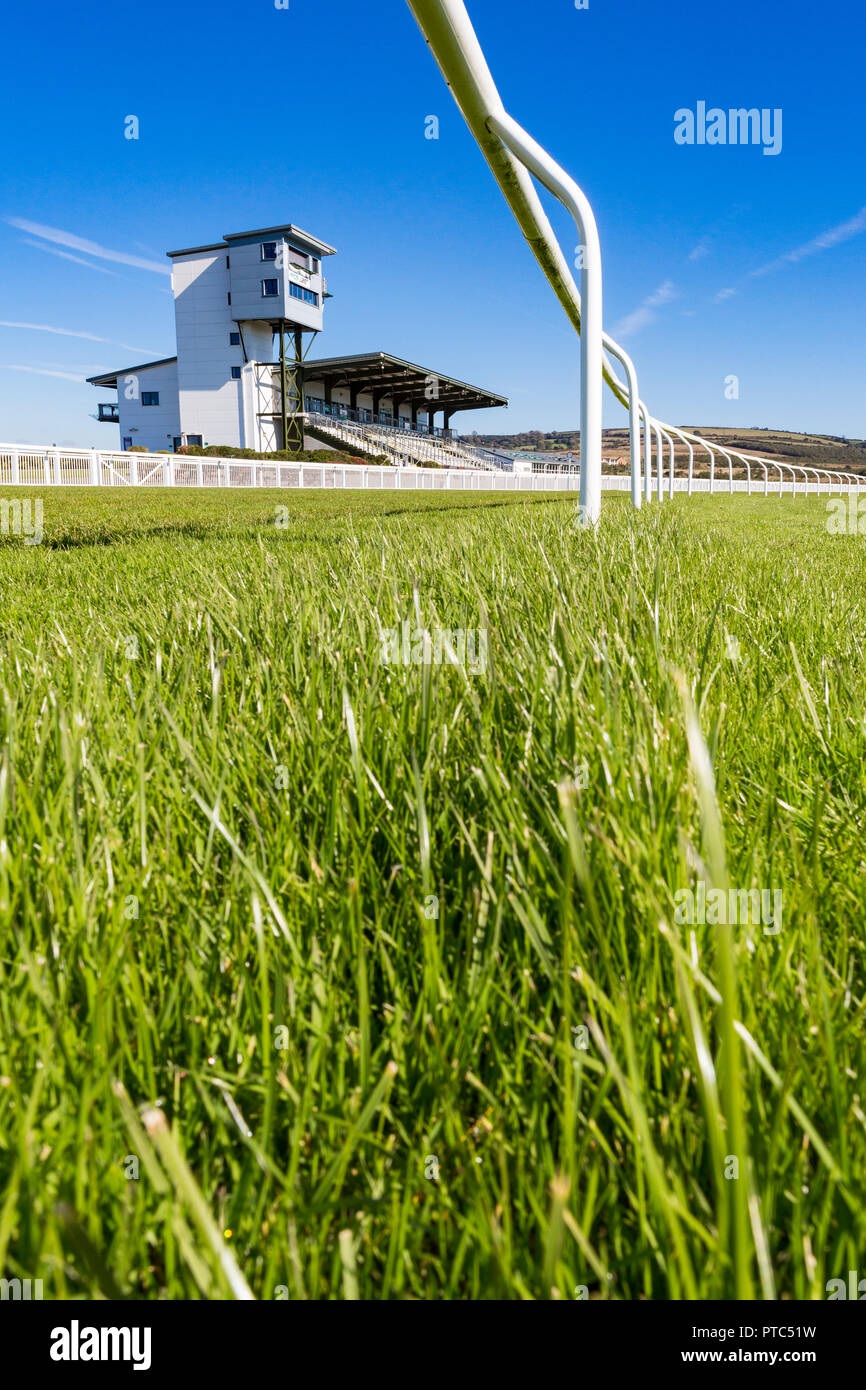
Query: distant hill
815,450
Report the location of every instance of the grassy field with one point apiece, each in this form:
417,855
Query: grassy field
328,976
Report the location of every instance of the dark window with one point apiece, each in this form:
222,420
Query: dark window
195,440
150,398
229,297
177,443
235,339
236,373
228,262
270,288
269,250
298,292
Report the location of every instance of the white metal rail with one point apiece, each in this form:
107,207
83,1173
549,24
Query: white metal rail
45,467
513,157
49,467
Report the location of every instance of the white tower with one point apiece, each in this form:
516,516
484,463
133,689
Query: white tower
231,298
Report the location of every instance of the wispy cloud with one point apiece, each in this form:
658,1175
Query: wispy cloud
40,371
698,252
71,333
67,256
825,241
151,251
727,293
89,248
645,312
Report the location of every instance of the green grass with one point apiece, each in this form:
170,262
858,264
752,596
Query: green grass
224,828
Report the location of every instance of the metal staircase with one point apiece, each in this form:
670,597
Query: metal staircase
405,448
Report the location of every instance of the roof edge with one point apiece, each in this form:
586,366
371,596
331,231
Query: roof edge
324,247
193,250
384,357
110,378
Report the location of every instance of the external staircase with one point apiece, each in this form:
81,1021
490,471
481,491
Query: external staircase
403,447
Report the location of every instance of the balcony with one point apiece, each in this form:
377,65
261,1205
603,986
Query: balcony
108,414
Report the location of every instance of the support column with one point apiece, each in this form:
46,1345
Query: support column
431,420
300,385
292,384
284,404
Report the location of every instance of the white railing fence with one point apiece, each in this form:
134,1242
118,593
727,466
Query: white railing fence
50,467
514,157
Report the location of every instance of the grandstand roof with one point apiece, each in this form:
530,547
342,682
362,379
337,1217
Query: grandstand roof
379,371
367,371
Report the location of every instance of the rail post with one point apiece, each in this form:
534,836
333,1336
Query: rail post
671,481
634,408
548,172
647,455
660,463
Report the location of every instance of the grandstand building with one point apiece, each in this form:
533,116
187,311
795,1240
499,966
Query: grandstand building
229,386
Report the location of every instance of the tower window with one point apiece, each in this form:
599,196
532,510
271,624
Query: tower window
270,288
269,250
235,339
307,296
150,398
236,373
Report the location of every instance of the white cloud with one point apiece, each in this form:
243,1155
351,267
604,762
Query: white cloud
722,295
90,248
698,252
71,333
67,256
834,236
40,371
645,312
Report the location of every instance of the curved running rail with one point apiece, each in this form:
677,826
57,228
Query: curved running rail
514,156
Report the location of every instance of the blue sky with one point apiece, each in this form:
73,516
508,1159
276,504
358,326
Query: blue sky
718,260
